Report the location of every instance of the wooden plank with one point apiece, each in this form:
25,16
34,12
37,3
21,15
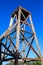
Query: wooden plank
30,45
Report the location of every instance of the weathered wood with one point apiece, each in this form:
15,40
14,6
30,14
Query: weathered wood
18,36
16,59
30,47
21,15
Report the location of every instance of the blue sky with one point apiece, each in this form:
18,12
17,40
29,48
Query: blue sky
34,6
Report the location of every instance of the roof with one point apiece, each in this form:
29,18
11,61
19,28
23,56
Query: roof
24,11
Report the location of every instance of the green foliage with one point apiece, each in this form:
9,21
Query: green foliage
12,63
36,63
28,63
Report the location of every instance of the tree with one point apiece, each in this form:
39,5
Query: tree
36,63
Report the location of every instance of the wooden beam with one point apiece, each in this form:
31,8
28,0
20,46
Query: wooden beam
30,45
31,59
6,53
0,50
7,49
27,59
7,32
18,36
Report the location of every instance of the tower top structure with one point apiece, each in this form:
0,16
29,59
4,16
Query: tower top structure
23,10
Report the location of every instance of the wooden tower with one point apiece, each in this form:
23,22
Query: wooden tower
17,41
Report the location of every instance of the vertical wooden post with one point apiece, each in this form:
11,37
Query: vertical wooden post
37,43
0,53
18,35
16,58
18,29
25,62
